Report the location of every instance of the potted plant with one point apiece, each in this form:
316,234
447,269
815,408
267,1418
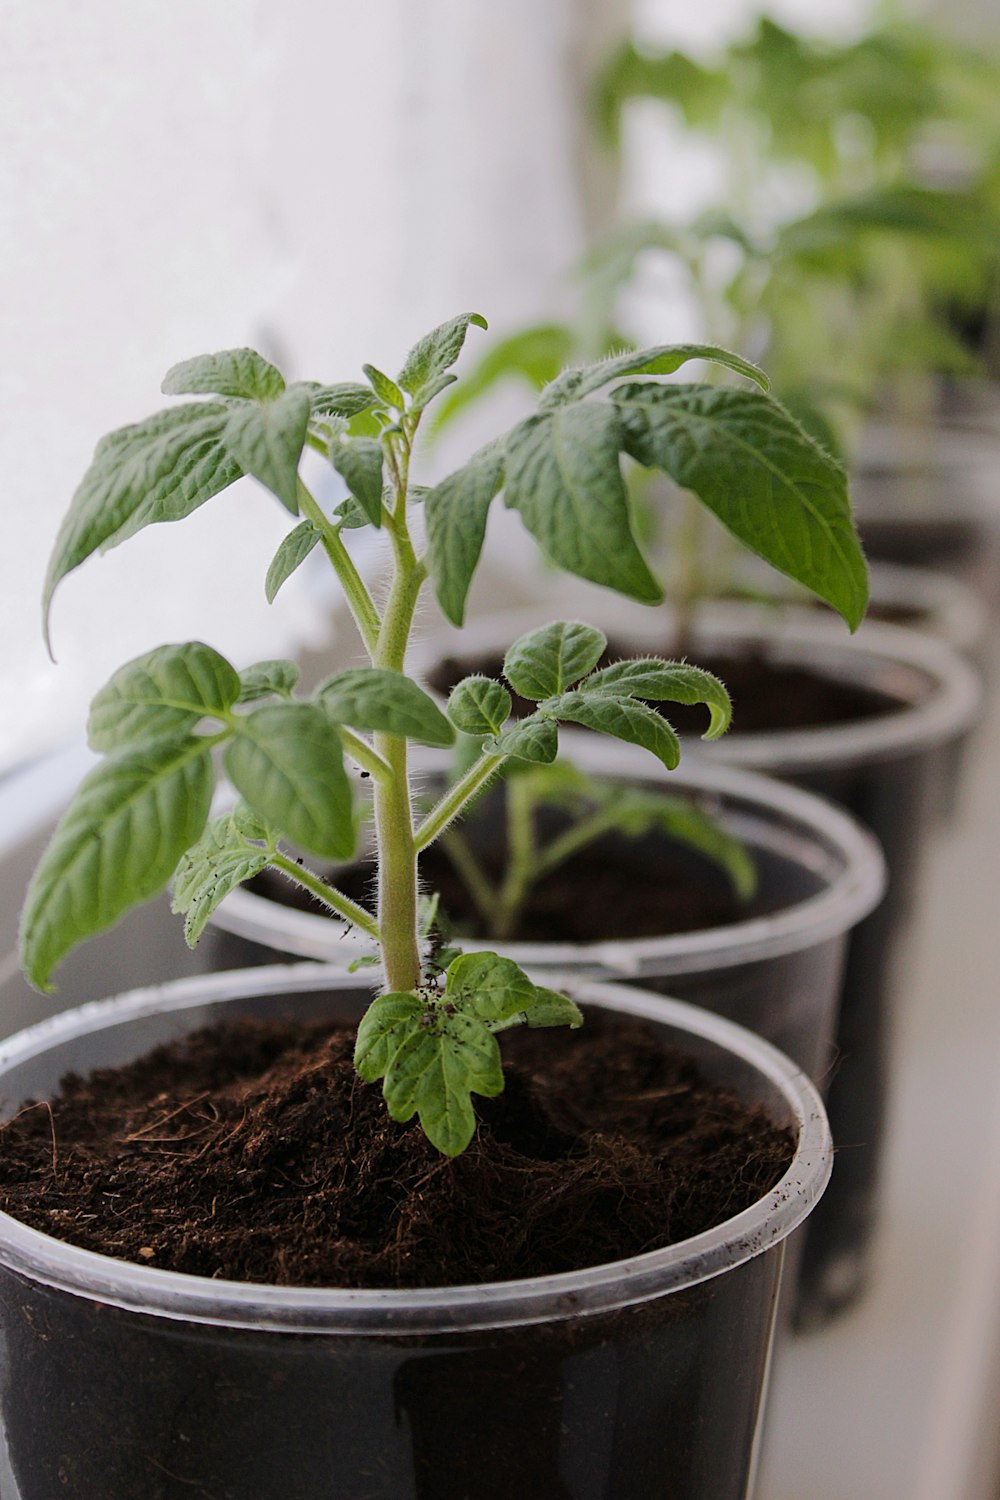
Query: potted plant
883,298
259,1388
730,890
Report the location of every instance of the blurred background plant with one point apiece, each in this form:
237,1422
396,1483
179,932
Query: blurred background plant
854,248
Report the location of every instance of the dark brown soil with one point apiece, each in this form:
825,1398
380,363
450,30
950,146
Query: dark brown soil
767,695
253,1152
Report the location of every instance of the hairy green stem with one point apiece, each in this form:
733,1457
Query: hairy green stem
328,894
358,598
397,888
457,798
363,754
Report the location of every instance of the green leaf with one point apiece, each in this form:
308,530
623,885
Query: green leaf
432,355
456,512
287,761
564,477
267,440
385,389
358,461
219,862
491,988
665,682
535,355
535,738
573,385
230,372
624,718
118,844
351,515
266,679
434,1072
432,1061
478,705
161,469
549,660
386,1023
549,1008
775,489
246,822
345,400
293,551
162,694
387,702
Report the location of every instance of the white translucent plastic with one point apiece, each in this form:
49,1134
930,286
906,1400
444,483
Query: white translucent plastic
113,1031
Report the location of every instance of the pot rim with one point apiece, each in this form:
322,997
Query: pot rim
877,655
851,893
392,1312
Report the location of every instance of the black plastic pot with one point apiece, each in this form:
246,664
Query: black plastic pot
895,772
639,1379
927,496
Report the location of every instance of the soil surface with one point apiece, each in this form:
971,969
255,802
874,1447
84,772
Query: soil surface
767,695
254,1152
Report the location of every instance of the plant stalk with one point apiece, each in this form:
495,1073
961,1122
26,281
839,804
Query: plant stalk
359,600
328,894
397,851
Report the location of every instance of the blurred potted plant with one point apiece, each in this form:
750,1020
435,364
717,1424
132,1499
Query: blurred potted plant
255,1145
898,125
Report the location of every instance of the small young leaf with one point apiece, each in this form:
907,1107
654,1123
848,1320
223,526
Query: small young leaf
267,679
293,551
623,718
230,372
219,862
160,469
573,385
351,515
128,825
246,822
384,1026
564,477
435,353
535,355
665,682
434,1072
377,699
267,440
358,461
549,660
163,693
535,738
492,988
385,389
287,761
425,395
478,705
456,512
431,1062
549,1008
775,489
344,400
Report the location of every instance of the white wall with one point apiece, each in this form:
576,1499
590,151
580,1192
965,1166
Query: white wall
321,180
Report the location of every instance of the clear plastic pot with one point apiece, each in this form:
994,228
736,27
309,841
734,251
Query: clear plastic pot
777,974
896,773
637,1379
